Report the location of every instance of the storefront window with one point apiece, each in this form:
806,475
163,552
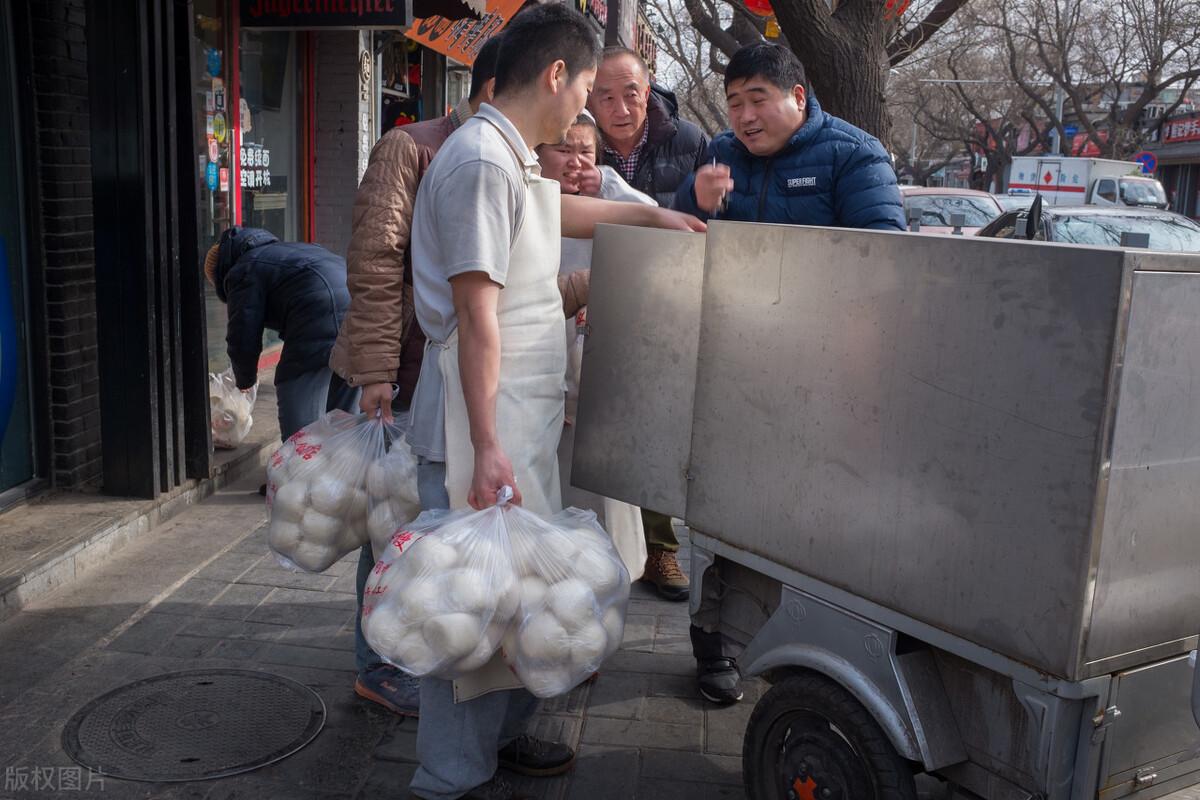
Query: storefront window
16,423
214,153
269,175
212,135
400,87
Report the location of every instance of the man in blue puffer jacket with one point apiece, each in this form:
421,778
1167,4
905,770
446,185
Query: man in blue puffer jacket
786,160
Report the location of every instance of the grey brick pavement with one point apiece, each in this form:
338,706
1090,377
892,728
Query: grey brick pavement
204,592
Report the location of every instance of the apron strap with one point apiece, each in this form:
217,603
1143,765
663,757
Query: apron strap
520,162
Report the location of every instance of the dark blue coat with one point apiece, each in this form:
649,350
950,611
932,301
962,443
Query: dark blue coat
298,290
830,173
674,149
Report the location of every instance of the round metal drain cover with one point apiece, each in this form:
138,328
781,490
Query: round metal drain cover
195,725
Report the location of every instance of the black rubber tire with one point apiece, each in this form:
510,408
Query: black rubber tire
802,699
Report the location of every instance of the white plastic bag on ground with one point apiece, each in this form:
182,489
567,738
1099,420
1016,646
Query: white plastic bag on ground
392,498
230,409
443,593
574,591
316,488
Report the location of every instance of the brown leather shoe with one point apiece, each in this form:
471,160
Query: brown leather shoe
662,570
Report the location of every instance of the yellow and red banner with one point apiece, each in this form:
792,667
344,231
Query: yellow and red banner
461,39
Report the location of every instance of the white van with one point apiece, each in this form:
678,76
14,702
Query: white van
1087,181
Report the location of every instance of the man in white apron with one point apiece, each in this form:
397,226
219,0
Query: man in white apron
488,407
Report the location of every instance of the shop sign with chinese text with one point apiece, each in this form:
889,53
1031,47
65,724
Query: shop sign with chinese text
255,168
1182,129
323,14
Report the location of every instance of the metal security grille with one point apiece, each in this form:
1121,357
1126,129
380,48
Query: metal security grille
195,725
149,300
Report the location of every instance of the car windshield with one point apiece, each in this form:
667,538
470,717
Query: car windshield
1171,232
936,209
1137,191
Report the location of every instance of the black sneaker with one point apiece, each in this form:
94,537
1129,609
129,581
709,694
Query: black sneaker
719,680
496,789
528,755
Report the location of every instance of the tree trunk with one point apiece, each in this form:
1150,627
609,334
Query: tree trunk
845,57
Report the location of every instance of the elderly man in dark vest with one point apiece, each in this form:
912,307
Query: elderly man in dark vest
654,151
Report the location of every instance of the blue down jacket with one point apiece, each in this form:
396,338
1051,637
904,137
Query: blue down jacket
298,290
830,173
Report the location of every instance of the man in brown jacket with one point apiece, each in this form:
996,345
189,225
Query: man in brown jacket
379,346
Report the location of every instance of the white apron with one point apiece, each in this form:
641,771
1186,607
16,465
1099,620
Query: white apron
529,404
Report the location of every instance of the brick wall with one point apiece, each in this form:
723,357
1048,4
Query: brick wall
62,220
344,121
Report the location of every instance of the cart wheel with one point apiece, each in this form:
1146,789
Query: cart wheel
809,739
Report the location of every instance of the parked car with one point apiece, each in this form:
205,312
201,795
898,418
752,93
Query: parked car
1101,225
1015,202
937,206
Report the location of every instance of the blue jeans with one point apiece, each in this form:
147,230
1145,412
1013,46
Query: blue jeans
365,658
431,486
304,398
457,742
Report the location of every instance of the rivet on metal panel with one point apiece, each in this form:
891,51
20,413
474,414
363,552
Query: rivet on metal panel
873,646
796,611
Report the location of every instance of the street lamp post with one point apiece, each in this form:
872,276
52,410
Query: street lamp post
913,151
1059,97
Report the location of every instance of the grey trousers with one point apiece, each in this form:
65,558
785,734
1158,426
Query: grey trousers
457,742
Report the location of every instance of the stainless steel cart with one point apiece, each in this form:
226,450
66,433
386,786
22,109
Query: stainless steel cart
944,491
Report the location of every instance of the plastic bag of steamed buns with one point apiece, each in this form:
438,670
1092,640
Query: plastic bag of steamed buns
230,409
455,587
574,592
317,487
442,594
392,500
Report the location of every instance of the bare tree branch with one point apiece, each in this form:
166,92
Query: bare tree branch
903,46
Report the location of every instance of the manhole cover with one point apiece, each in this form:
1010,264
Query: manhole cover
196,725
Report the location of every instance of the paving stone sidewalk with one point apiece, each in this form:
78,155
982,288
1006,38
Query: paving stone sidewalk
204,592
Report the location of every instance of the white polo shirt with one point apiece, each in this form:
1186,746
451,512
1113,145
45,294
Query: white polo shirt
469,208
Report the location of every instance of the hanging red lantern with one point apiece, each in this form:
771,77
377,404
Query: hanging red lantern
761,8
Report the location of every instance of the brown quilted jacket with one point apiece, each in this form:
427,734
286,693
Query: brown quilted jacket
378,341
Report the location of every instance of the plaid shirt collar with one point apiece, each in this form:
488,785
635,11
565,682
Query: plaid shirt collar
460,113
627,166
